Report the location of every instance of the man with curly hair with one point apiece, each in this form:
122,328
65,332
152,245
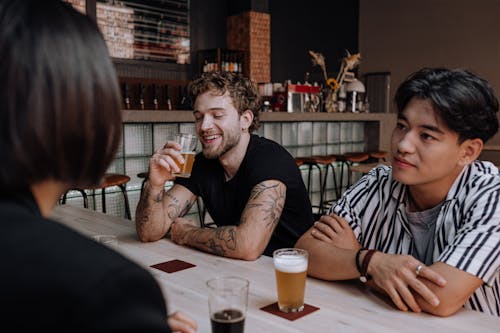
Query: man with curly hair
251,186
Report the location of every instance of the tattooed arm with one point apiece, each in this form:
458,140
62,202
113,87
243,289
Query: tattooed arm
247,240
157,210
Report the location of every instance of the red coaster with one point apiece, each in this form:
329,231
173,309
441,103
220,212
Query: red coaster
173,266
273,309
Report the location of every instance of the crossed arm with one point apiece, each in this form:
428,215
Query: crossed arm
160,211
439,289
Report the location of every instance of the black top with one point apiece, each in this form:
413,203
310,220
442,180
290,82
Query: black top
225,200
56,280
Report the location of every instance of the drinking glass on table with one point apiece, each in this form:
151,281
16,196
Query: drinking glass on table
188,144
290,266
227,304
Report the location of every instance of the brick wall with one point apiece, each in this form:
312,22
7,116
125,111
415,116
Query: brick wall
251,32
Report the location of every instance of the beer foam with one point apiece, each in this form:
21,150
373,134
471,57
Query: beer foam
291,264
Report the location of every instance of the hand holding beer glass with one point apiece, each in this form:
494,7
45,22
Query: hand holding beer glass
290,266
227,304
188,146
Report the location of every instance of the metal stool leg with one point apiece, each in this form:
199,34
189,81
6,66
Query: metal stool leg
125,197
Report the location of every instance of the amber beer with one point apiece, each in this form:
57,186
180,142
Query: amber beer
185,169
291,270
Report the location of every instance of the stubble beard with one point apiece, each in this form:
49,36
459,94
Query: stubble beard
231,142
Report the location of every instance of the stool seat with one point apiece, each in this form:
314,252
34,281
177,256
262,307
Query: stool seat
108,180
314,162
111,179
354,157
379,154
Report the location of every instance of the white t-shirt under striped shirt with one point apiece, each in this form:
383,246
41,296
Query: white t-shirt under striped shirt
467,233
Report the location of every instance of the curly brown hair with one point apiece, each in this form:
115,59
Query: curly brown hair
242,91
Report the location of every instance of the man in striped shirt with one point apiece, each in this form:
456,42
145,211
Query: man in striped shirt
425,231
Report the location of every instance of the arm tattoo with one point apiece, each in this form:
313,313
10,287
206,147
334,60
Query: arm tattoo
272,204
144,206
187,206
217,241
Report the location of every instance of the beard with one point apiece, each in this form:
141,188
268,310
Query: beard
228,142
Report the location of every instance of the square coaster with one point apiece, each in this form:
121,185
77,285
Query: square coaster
173,266
273,309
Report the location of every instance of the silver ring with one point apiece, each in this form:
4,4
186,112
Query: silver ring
419,268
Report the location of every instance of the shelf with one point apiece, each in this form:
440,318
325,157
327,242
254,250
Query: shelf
178,116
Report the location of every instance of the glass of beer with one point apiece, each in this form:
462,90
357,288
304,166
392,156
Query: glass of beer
290,266
227,304
188,146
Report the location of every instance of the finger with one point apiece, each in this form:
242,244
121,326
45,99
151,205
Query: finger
407,297
422,290
328,220
185,318
343,223
325,229
394,295
431,275
320,236
179,326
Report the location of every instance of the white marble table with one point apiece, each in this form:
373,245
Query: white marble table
344,306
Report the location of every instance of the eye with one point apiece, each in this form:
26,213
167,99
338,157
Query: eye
426,136
198,118
218,115
400,126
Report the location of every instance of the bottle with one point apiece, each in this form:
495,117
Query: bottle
155,96
141,96
168,102
126,95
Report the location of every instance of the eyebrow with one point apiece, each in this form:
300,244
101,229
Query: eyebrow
211,109
428,127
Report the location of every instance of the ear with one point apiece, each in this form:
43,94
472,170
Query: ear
470,151
246,119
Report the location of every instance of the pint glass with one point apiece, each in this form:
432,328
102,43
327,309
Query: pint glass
290,266
188,146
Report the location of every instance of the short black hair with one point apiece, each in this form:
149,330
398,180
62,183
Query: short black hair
60,115
464,101
242,90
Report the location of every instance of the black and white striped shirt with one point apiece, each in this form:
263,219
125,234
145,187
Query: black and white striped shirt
467,232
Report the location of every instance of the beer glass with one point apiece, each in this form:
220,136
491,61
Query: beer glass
188,146
227,304
290,266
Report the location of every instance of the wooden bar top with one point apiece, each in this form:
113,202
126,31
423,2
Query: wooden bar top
344,306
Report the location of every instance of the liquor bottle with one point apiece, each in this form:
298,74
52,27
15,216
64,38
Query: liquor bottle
168,102
141,95
126,95
155,96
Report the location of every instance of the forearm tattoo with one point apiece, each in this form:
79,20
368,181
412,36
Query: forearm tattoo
217,241
144,207
272,201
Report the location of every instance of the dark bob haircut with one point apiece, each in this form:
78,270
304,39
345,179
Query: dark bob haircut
60,115
242,91
465,102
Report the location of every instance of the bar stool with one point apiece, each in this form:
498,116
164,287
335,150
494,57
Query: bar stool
316,161
347,160
108,180
376,158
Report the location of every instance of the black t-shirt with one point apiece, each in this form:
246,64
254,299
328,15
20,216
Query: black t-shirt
225,200
56,280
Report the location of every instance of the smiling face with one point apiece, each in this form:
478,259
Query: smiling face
425,152
218,124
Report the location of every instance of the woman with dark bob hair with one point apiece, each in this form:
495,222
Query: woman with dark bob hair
60,126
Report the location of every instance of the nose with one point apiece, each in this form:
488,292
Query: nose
405,144
206,123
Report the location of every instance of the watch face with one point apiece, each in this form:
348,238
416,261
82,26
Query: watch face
363,279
